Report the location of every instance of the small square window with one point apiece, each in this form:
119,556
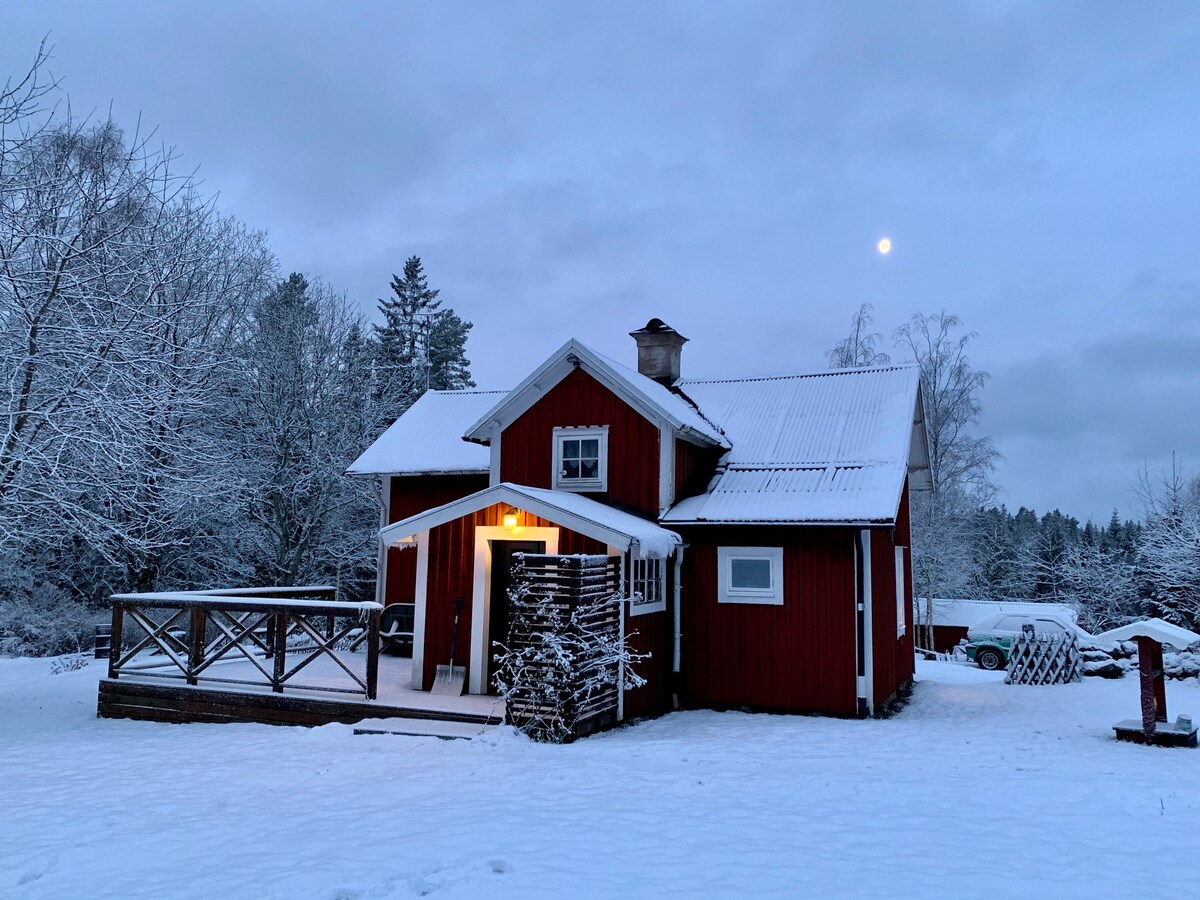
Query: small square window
750,575
648,583
580,459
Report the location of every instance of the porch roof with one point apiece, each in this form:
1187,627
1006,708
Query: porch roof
580,514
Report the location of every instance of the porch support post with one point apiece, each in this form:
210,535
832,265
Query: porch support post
281,628
373,654
199,618
114,650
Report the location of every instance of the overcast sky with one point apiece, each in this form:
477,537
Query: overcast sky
572,170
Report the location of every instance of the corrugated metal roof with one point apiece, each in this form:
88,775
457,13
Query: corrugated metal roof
826,447
428,437
841,416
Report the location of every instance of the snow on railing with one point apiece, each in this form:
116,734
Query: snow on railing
186,632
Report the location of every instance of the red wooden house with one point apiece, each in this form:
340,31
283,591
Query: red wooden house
763,521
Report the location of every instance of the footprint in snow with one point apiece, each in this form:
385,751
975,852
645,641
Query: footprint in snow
427,883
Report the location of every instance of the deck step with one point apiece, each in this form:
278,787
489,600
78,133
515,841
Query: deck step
426,728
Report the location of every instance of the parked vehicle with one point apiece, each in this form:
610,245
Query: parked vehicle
990,640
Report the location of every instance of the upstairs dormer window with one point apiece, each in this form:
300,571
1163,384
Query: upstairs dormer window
581,459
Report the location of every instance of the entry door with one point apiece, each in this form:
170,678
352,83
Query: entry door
502,558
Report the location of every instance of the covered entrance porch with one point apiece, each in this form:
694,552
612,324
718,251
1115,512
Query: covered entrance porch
464,550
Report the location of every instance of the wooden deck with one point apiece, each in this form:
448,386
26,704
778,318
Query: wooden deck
156,699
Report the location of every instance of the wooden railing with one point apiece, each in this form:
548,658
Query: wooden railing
278,631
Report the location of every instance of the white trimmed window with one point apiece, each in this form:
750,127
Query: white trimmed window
581,459
750,575
648,591
900,598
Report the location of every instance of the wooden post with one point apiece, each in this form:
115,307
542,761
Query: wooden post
196,642
1150,690
1160,687
281,627
373,654
114,652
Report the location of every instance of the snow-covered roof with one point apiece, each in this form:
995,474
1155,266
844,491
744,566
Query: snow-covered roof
833,446
428,437
574,511
644,394
956,613
1155,629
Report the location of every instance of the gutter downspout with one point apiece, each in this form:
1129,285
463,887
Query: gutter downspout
383,495
678,590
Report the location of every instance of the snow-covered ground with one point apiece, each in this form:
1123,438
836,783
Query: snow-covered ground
976,789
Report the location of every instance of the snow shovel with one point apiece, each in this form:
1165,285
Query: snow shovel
451,679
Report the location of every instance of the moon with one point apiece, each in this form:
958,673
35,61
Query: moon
885,246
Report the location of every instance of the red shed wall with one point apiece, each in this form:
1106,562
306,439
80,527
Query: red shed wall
798,657
527,451
946,637
409,495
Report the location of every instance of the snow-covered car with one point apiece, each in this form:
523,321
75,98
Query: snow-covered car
990,640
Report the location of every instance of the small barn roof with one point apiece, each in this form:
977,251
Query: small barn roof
574,511
831,446
1155,629
427,439
956,613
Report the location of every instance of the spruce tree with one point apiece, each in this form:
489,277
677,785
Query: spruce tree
419,345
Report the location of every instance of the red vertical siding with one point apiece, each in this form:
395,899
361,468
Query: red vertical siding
651,633
452,574
797,657
527,452
893,656
409,495
694,468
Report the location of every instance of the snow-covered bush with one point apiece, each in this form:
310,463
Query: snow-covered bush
72,662
46,622
558,667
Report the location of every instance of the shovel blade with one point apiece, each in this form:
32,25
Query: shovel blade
449,681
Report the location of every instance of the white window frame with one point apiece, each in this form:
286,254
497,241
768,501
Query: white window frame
727,593
589,485
901,625
647,586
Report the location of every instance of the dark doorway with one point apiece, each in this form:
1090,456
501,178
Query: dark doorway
502,554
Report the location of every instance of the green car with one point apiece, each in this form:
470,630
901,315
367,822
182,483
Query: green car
990,640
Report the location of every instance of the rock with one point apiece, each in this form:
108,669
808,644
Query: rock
1108,668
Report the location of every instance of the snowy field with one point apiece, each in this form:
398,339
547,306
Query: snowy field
976,789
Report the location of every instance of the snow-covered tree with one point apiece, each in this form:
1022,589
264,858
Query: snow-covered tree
861,346
300,416
1168,553
420,346
943,522
950,384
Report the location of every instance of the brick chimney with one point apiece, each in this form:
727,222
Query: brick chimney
659,348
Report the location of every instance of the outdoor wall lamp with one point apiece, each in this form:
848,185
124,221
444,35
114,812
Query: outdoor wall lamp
510,519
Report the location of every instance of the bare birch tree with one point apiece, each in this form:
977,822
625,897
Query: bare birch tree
860,346
962,462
